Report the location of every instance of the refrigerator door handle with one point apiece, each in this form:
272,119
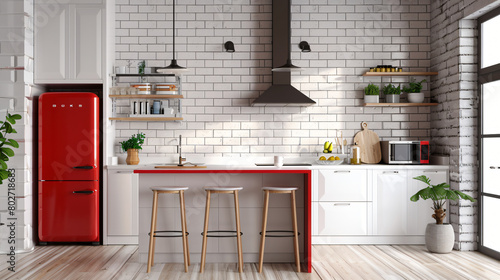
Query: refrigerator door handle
84,192
84,167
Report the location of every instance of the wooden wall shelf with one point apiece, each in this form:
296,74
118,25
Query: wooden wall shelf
147,119
147,96
398,104
374,74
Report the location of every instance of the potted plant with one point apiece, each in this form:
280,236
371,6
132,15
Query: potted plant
132,147
439,237
6,152
371,93
414,89
392,93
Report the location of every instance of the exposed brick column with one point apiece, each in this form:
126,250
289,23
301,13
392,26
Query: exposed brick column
454,120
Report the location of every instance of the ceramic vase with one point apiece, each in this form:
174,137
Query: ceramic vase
371,99
439,238
415,97
132,157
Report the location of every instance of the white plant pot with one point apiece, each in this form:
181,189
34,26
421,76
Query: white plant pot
392,98
415,97
371,99
439,238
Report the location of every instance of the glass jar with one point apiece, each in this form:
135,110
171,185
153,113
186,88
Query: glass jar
355,155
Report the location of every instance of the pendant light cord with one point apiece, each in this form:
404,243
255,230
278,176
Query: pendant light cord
289,30
173,30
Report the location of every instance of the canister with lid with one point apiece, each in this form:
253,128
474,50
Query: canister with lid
166,89
144,88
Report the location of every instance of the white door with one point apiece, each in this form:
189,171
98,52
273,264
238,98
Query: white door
122,203
87,43
51,37
390,203
420,212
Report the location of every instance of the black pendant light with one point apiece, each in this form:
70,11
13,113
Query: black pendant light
173,67
288,66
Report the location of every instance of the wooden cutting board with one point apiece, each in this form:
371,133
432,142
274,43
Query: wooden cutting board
369,144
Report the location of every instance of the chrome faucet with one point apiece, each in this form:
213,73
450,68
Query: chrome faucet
179,150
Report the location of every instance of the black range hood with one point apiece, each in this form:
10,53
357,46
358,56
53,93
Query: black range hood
281,92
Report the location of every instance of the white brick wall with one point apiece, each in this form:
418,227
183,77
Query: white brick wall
16,50
453,121
346,37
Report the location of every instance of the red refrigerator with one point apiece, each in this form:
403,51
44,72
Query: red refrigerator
68,170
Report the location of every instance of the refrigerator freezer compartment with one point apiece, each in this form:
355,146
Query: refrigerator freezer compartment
68,211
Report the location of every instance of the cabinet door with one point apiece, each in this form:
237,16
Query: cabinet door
86,43
123,203
390,203
341,218
420,212
341,185
51,37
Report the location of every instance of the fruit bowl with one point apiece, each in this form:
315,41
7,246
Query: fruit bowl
329,162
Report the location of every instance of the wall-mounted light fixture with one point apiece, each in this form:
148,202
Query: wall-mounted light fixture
304,46
229,46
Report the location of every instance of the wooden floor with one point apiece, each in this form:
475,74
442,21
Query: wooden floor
330,262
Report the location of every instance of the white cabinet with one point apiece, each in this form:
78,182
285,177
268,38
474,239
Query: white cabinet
420,212
341,218
69,43
390,202
341,203
342,185
122,207
371,205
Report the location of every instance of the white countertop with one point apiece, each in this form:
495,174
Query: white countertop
254,167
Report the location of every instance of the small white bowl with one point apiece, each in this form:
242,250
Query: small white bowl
415,97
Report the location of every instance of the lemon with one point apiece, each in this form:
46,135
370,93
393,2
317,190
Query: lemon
322,158
331,158
337,158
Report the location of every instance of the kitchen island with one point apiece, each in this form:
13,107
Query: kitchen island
252,179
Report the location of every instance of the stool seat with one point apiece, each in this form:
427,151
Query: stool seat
169,188
280,189
218,189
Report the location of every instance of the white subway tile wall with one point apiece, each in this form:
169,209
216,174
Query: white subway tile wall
346,37
454,120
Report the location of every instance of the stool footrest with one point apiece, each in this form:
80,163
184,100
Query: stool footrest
168,231
279,231
222,231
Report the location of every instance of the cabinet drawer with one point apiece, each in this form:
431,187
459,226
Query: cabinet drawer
341,185
340,218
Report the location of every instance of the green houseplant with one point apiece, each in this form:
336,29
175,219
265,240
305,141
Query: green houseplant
132,147
371,93
414,90
439,237
6,152
392,93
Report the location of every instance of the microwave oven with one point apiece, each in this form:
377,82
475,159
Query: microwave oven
405,152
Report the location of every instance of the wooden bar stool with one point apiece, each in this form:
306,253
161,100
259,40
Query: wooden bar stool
280,190
154,233
237,232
